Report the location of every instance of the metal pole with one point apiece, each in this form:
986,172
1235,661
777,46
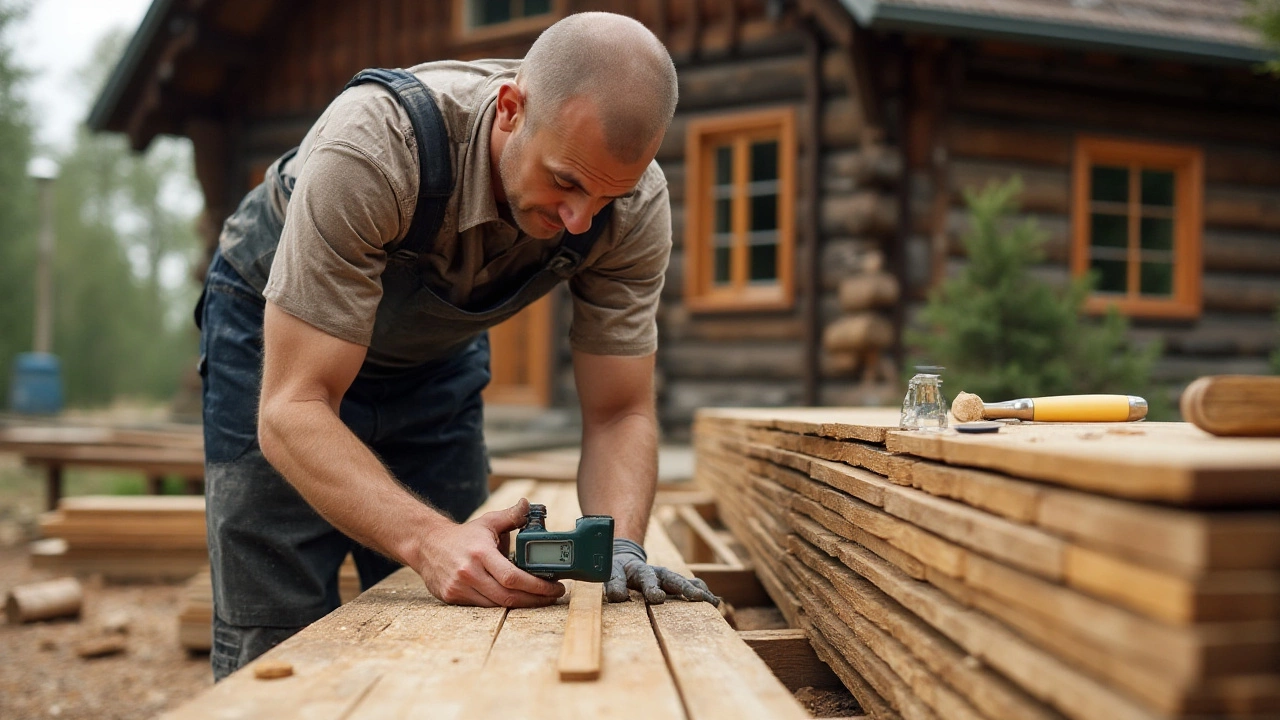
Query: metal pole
44,270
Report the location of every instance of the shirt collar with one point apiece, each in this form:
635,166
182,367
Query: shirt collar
475,193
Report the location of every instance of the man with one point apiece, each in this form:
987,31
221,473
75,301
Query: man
343,319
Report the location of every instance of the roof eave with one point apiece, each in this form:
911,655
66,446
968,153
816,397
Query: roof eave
881,16
107,104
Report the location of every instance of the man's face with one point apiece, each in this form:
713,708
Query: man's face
559,175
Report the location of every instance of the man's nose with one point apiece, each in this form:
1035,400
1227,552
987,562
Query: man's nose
575,215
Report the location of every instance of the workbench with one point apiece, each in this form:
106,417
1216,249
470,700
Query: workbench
397,652
176,450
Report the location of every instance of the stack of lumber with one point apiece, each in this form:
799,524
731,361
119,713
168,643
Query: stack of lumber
196,616
1046,571
124,538
396,651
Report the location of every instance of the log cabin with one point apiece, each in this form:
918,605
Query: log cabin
817,165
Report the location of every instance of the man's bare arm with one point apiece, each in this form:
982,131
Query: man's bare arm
305,374
618,474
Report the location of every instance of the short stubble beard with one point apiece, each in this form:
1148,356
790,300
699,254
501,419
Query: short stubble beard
508,172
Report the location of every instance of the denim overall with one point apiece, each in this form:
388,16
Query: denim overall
274,559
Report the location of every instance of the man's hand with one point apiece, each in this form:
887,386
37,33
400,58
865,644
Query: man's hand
466,564
632,570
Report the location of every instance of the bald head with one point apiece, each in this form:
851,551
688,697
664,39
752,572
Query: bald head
612,61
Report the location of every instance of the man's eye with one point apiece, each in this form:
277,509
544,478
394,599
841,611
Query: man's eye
563,185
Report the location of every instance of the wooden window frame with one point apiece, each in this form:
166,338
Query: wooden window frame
701,136
1187,165
464,31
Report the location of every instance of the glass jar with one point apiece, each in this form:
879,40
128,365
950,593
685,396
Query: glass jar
925,407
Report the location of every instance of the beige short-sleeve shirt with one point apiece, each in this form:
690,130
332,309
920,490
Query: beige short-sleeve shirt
356,191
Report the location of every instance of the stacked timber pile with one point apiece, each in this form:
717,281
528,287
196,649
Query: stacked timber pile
396,651
124,538
854,342
1047,571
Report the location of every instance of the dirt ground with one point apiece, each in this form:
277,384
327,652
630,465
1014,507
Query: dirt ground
42,677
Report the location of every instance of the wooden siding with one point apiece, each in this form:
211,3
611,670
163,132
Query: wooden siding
1022,112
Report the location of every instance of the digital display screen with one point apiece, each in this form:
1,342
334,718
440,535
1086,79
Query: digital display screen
548,552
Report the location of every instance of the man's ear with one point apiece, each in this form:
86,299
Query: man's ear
510,106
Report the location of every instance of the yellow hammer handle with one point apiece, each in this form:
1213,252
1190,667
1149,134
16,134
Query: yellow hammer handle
1082,408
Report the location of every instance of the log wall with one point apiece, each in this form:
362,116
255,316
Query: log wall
1018,111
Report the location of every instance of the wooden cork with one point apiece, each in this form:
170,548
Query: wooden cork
272,669
967,407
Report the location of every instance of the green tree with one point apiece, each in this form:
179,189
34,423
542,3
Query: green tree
1002,333
17,206
1264,15
120,329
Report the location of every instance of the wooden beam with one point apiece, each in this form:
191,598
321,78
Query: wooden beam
791,658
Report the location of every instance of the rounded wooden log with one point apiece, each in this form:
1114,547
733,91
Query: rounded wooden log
871,290
44,600
864,331
1244,405
864,213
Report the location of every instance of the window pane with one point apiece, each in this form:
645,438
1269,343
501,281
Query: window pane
536,7
1112,275
490,12
724,165
764,212
1109,231
724,217
721,263
1110,184
764,160
1157,278
1157,233
764,263
1157,188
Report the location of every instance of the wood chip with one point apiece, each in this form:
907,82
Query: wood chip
272,669
100,647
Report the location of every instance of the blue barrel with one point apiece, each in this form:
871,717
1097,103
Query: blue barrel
37,384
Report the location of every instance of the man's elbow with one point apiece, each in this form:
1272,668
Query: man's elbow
271,433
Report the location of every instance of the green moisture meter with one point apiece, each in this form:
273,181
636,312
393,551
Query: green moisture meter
586,553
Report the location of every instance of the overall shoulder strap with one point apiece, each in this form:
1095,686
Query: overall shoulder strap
574,248
435,183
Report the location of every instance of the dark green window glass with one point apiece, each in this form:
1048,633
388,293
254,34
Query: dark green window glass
1112,275
1110,184
490,12
721,263
764,263
1157,234
1109,230
764,212
536,7
764,161
724,221
1157,188
724,165
1156,278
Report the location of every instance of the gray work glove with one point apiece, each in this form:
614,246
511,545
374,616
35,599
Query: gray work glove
632,570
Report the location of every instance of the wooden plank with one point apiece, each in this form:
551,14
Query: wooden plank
990,693
862,691
736,585
999,494
1186,542
718,674
580,652
791,658
1171,462
520,671
1043,676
